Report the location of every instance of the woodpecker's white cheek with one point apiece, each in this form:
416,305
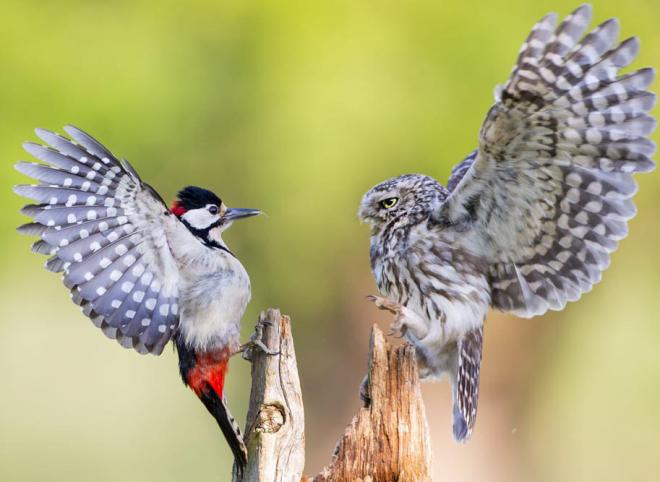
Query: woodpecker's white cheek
199,218
216,233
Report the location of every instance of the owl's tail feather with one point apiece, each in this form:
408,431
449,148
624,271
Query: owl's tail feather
466,386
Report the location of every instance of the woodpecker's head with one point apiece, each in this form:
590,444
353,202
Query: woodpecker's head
205,215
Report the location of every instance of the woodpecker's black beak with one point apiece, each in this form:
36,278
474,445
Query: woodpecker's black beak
232,214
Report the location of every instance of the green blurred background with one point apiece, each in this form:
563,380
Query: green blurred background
297,108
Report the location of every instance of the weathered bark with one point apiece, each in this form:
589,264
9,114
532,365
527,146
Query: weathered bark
387,441
275,425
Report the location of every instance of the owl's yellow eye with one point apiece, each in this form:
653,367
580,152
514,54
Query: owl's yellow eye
389,203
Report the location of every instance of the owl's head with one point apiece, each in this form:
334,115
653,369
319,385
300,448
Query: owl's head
407,199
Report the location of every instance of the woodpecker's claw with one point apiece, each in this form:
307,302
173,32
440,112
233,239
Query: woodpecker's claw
256,341
260,344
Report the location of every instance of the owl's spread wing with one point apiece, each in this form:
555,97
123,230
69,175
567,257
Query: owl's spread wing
548,192
107,231
459,171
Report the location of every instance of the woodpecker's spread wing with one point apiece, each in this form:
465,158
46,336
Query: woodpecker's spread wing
548,192
107,231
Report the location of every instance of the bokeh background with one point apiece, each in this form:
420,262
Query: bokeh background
298,108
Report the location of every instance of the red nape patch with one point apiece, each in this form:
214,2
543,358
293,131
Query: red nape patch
177,209
210,369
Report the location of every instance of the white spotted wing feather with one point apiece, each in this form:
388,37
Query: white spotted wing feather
549,191
107,231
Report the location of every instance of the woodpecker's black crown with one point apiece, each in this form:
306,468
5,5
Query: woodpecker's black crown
193,197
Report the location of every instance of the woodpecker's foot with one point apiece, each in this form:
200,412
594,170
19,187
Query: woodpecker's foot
398,327
256,342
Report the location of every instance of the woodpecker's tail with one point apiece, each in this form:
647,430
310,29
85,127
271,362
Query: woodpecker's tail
217,406
466,384
205,374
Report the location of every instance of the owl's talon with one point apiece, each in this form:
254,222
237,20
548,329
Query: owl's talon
364,392
385,304
398,328
398,333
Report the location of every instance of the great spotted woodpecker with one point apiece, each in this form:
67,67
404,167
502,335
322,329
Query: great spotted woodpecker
143,273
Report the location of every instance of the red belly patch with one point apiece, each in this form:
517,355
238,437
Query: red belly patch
210,370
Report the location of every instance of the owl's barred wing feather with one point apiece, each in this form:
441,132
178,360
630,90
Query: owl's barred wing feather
549,191
459,171
106,230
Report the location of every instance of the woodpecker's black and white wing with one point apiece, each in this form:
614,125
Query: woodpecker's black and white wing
548,192
107,231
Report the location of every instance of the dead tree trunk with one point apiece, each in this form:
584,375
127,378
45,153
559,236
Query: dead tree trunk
275,425
386,441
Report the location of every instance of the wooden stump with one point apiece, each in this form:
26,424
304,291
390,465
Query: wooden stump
387,441
275,425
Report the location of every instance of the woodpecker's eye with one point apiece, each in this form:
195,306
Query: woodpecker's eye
389,203
213,209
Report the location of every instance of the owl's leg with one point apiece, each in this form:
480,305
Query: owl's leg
385,304
466,384
405,319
